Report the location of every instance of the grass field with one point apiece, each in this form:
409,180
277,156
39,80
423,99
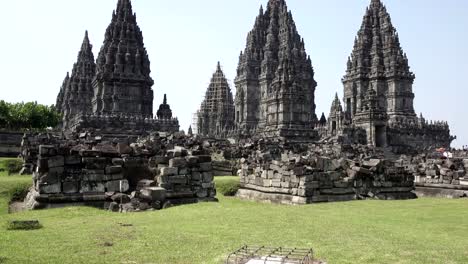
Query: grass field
417,231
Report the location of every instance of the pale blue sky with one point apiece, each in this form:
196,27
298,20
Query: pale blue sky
185,38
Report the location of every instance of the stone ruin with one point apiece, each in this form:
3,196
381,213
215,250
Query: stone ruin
154,172
109,154
113,93
441,177
275,89
306,174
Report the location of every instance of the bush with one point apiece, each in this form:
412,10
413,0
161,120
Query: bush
23,225
14,166
19,192
11,166
227,186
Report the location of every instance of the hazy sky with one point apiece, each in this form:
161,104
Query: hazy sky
185,39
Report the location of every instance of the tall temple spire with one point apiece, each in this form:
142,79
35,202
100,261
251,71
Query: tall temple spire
378,62
60,97
77,91
123,67
275,77
216,115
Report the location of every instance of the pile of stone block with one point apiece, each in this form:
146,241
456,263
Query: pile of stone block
297,179
10,143
441,177
122,177
70,175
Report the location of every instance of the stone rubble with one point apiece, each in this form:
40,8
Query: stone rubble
323,174
151,173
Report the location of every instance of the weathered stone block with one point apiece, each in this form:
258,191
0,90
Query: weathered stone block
206,166
114,169
94,175
207,185
178,179
123,148
56,161
196,176
153,194
169,171
208,177
184,171
47,150
50,188
70,187
204,159
192,160
92,187
155,161
118,161
177,162
89,153
117,186
95,163
49,178
72,160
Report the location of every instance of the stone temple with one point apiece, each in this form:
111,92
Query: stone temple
275,79
114,95
378,92
76,93
216,114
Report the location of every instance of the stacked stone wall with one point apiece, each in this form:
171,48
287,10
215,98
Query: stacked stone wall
296,179
118,176
441,177
10,143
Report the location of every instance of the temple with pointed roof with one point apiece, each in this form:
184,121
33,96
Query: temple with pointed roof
76,93
275,79
378,91
216,114
114,94
122,83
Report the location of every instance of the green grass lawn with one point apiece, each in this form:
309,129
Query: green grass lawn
416,231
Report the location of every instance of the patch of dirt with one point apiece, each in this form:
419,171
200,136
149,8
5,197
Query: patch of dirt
108,244
16,207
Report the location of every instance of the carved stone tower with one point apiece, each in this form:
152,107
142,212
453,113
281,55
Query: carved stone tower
275,79
216,115
379,63
123,84
76,94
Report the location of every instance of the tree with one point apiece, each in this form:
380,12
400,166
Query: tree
27,116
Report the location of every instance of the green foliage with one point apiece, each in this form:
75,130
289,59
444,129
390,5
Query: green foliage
23,225
11,166
27,116
227,186
18,192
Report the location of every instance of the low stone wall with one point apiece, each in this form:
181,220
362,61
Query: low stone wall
296,179
441,177
10,143
118,176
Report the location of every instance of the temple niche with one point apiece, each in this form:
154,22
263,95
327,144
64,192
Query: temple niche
114,95
378,92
